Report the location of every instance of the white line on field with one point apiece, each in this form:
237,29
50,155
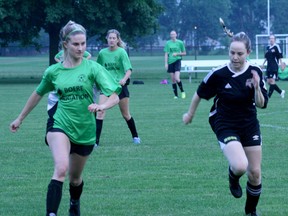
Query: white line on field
274,126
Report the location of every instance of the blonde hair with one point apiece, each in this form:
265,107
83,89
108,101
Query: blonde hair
70,29
120,42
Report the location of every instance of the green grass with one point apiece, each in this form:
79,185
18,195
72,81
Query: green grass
177,170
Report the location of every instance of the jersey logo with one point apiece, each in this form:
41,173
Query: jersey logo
255,137
82,78
228,86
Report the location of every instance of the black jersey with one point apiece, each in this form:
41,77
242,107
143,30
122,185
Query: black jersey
233,94
272,55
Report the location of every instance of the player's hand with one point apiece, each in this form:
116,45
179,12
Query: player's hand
122,82
95,107
187,119
15,125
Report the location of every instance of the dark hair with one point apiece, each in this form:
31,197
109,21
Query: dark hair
120,42
242,37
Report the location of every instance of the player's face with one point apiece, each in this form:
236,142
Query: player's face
238,55
272,40
173,35
112,40
76,46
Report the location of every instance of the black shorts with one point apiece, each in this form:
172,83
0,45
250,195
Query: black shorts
124,93
83,150
247,136
272,74
175,66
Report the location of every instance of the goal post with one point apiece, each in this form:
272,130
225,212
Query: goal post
262,41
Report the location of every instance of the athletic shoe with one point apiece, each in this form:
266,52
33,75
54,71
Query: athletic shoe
96,145
252,214
52,214
74,208
175,97
183,95
282,94
136,140
235,188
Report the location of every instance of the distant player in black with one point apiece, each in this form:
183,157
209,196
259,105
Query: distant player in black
237,88
273,56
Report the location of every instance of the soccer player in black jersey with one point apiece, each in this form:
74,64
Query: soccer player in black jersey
273,57
238,88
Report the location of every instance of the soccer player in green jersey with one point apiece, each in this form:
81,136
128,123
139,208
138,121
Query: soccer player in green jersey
71,125
174,50
115,59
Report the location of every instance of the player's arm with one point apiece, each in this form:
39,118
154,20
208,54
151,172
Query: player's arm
187,117
30,104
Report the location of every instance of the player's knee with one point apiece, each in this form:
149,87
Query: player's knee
254,175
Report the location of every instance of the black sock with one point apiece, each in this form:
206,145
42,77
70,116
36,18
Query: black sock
132,127
76,191
180,86
253,195
174,87
271,89
54,195
277,88
99,124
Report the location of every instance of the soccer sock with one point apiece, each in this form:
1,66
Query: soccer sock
174,87
180,86
54,195
99,124
132,127
271,89
233,177
277,88
253,195
76,191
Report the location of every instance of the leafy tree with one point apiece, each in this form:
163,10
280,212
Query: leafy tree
22,20
194,17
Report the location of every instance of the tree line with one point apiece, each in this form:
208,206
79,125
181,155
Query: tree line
139,21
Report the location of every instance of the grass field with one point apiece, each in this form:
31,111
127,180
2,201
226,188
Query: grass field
177,170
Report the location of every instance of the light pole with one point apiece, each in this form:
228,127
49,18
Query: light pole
195,42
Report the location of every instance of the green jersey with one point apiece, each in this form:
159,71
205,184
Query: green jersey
74,87
174,47
116,62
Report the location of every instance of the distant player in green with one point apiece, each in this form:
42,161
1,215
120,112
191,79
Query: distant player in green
115,59
71,125
60,56
174,50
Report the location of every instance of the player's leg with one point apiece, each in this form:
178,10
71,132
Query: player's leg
59,145
124,109
254,186
78,157
100,118
177,78
238,163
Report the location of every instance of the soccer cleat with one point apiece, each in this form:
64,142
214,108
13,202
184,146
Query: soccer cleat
175,97
235,188
74,208
183,95
252,214
136,140
282,94
52,214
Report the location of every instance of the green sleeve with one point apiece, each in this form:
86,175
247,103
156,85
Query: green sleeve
45,85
